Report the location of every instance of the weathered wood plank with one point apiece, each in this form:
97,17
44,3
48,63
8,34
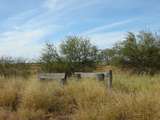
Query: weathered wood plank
51,76
92,74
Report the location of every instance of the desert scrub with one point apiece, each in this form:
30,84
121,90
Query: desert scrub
30,114
49,96
122,106
10,93
8,115
135,83
131,98
86,92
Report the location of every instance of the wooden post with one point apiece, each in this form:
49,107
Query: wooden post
64,80
110,79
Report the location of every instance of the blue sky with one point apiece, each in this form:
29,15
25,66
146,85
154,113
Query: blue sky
25,25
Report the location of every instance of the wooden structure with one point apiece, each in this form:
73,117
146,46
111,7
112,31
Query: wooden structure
62,77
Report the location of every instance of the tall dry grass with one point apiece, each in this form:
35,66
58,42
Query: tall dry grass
131,98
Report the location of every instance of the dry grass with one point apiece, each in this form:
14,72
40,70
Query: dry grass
132,98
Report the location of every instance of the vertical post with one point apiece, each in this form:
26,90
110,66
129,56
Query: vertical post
110,79
64,80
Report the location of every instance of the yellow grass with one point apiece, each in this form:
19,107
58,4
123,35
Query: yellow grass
131,98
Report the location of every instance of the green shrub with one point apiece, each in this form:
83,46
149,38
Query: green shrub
140,53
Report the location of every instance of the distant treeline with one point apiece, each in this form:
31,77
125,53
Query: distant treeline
12,67
139,53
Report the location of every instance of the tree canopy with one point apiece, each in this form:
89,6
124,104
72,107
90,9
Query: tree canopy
139,52
75,53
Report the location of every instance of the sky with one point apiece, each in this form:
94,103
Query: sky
26,25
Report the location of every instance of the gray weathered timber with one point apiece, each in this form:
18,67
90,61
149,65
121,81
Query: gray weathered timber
51,76
90,75
101,76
